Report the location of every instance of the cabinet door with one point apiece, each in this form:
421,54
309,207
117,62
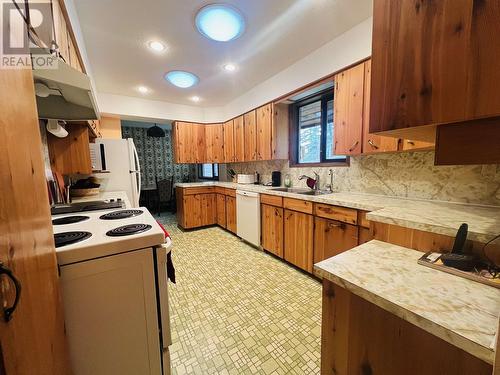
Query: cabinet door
409,144
272,229
61,31
217,143
221,210
71,154
239,139
198,144
298,248
373,143
208,209
191,206
183,142
348,111
364,235
332,237
231,214
264,132
250,126
229,144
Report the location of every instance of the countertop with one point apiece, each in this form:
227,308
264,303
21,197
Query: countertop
462,312
104,195
430,216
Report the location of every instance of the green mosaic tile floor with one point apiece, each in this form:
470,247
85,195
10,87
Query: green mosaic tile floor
238,310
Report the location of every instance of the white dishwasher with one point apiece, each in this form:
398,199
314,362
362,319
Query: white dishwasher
248,216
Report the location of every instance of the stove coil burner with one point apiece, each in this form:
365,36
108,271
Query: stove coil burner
68,238
69,219
128,230
123,214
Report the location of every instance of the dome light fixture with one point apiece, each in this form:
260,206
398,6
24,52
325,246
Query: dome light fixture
220,22
181,78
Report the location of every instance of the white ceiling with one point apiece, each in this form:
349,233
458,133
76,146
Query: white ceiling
278,33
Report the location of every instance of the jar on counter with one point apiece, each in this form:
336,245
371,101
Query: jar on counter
288,181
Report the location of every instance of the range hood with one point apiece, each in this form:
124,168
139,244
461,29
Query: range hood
64,94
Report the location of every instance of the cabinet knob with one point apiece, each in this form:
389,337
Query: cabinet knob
355,144
371,143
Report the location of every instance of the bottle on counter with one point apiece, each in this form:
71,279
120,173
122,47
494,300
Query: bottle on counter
257,178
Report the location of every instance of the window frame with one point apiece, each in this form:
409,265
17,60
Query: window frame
323,96
200,172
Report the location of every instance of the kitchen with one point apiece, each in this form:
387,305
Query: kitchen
250,187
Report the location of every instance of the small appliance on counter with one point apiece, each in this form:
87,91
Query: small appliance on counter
276,178
245,178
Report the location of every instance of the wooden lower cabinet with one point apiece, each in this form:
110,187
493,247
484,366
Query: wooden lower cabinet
208,209
197,210
221,210
231,214
272,229
332,237
298,244
364,235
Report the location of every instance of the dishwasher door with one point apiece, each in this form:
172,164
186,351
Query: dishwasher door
248,216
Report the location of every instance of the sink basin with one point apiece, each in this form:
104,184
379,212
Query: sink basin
301,191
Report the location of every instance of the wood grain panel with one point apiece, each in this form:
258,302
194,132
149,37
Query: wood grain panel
332,237
359,337
192,212
364,235
230,192
250,127
229,142
345,214
221,210
71,154
373,143
264,116
208,209
239,139
272,225
184,142
110,127
34,341
198,190
412,145
298,248
348,111
298,205
197,145
231,214
362,220
272,200
220,190
214,136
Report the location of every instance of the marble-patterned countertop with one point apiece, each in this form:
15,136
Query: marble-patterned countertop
430,216
460,311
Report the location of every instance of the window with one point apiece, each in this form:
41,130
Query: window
314,129
208,171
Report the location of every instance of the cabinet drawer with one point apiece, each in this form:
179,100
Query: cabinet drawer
298,205
362,220
347,215
220,190
198,190
272,200
230,192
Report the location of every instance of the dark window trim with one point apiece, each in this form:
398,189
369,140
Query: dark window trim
215,178
325,96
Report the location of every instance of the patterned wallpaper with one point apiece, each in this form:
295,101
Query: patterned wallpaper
155,156
405,174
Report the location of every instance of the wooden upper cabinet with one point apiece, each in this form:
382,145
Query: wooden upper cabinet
229,142
373,143
214,135
348,111
239,139
409,144
433,62
250,138
264,116
197,145
183,135
71,154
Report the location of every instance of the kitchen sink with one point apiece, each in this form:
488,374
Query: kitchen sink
301,191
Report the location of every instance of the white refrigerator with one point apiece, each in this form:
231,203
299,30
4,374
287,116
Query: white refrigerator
116,164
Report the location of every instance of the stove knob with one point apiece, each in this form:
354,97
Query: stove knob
119,200
111,200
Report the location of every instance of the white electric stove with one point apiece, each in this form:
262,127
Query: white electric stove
114,287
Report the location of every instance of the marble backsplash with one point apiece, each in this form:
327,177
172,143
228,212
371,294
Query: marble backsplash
409,174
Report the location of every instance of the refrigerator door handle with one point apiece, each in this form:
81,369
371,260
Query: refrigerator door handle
138,165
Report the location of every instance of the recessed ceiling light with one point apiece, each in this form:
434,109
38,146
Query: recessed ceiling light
195,99
143,89
156,46
230,67
220,22
181,79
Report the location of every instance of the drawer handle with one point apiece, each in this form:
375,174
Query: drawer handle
355,144
8,311
411,143
370,142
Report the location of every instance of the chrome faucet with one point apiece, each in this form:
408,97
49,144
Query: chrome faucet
330,186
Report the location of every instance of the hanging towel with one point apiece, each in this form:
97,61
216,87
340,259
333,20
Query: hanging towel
170,264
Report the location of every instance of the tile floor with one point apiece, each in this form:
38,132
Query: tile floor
238,310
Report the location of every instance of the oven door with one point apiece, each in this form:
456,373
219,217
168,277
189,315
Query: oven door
162,292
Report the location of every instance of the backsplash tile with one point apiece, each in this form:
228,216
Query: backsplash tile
406,174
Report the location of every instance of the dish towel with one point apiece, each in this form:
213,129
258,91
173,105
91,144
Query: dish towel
170,263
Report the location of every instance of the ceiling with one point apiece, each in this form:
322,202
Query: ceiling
278,33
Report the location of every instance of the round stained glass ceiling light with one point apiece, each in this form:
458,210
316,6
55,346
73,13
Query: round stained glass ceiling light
181,79
220,22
